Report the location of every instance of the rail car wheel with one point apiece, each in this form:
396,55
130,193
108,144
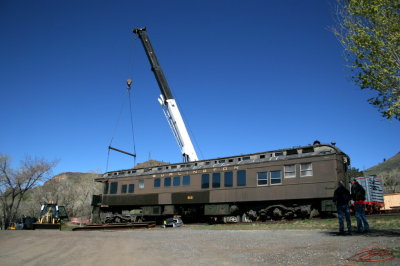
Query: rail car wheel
246,219
251,215
277,213
289,215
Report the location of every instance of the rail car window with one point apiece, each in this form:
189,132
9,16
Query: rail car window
186,180
141,184
113,187
290,171
262,179
105,188
131,188
228,179
308,150
216,180
167,182
157,182
177,181
276,177
205,181
241,178
123,188
306,169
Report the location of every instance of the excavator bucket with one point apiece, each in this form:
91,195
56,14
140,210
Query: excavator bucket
56,226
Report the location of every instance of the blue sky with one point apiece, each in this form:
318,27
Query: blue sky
249,76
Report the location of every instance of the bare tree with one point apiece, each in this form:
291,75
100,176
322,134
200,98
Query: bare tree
391,180
14,183
87,188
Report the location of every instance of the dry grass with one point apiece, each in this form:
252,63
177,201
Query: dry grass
376,222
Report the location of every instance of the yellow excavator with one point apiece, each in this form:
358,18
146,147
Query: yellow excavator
50,216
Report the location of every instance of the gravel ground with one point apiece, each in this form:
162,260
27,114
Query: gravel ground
183,246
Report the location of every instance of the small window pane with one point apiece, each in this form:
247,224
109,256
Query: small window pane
123,188
228,179
157,182
177,181
216,180
276,177
167,182
241,178
306,169
131,188
205,181
290,171
141,184
113,187
186,180
105,188
262,179
308,150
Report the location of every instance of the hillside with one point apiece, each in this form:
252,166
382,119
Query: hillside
150,163
387,165
74,177
389,172
72,190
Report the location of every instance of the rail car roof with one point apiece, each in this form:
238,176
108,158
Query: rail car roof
281,154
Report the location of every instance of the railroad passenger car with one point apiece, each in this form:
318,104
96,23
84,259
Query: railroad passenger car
277,184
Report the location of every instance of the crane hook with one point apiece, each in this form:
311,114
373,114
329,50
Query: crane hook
129,83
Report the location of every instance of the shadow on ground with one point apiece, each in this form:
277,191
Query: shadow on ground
372,233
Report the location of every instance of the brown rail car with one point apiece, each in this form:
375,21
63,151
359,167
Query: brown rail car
268,185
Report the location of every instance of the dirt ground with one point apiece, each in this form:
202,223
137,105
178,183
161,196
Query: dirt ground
184,246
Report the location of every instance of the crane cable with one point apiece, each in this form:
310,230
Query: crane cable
129,81
132,129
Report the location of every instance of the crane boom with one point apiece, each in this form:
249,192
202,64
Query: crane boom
168,102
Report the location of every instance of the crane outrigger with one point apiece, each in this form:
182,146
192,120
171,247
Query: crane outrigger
168,102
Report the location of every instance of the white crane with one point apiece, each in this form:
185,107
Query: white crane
168,102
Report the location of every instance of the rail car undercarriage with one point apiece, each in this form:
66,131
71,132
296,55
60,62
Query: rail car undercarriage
218,213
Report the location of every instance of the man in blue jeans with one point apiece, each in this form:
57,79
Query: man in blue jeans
341,197
358,196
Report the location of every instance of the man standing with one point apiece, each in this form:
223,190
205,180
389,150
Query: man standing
358,196
341,197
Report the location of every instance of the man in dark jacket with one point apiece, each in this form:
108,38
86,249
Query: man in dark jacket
341,197
358,196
